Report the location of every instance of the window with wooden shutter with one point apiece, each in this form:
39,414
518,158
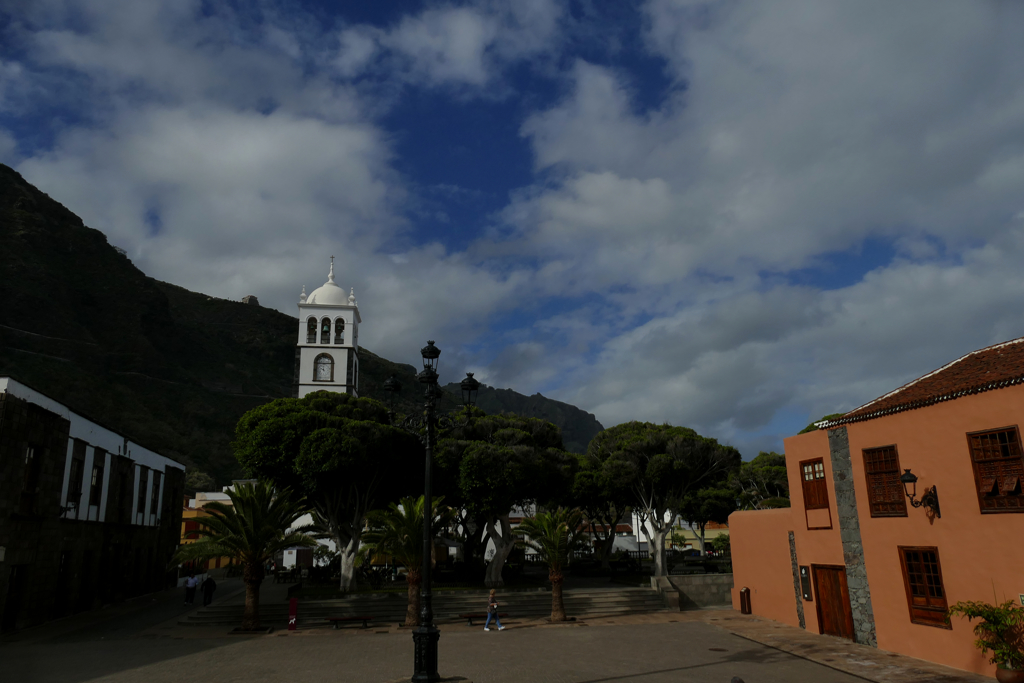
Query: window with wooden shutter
998,469
922,578
886,497
812,473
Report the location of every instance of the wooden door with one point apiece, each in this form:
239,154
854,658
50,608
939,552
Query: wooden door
833,596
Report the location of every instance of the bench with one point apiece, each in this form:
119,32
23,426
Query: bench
338,621
480,615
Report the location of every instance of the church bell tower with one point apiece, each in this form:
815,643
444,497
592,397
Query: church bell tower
327,355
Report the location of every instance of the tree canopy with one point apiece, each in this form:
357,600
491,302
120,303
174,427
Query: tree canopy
762,482
340,451
664,464
711,504
494,463
602,491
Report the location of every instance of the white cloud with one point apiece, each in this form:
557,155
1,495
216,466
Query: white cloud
729,368
8,148
792,131
453,45
218,163
798,132
666,236
356,49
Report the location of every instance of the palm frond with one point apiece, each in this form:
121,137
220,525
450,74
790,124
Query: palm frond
251,530
553,535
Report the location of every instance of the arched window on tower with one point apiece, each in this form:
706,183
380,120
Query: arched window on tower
325,331
339,331
311,331
323,368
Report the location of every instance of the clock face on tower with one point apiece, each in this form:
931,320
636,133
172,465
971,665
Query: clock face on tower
323,369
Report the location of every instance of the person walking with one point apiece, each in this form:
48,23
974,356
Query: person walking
209,585
190,588
492,611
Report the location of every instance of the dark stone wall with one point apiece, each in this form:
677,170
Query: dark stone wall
796,581
695,591
29,507
55,566
849,532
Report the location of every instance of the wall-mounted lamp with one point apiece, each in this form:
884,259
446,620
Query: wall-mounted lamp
929,499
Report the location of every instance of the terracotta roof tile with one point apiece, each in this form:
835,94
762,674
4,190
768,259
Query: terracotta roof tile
992,367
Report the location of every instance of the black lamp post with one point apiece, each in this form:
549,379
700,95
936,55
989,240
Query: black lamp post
930,497
425,637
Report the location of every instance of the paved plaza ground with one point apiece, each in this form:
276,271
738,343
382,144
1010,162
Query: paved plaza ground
142,641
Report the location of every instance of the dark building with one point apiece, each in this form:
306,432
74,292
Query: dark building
87,517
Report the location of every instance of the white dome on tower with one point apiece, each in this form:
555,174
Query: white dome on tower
328,294
327,344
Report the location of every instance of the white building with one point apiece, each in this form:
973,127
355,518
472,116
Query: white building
88,467
328,342
87,516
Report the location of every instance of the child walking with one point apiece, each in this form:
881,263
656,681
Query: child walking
492,611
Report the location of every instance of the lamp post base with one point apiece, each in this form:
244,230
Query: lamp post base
424,640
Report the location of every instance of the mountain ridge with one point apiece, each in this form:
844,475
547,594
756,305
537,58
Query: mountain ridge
168,367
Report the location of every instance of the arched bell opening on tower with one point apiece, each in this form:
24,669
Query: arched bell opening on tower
311,331
325,331
339,331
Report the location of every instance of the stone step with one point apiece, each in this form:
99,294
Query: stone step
648,601
392,607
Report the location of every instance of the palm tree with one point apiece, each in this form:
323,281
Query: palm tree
554,536
251,531
398,531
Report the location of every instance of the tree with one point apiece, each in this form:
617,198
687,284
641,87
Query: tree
398,531
663,465
721,544
252,531
707,505
494,463
340,451
197,480
602,492
762,483
554,536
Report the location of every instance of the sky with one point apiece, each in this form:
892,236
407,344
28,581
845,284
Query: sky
737,216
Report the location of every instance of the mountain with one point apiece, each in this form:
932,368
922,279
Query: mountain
171,368
578,426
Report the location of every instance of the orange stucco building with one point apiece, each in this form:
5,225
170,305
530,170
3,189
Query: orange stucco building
853,557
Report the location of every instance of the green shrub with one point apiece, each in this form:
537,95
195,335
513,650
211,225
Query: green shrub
1001,630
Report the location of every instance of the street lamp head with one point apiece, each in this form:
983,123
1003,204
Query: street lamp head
430,355
392,387
909,481
469,388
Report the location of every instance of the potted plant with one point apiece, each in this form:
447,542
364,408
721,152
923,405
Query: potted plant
1001,631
